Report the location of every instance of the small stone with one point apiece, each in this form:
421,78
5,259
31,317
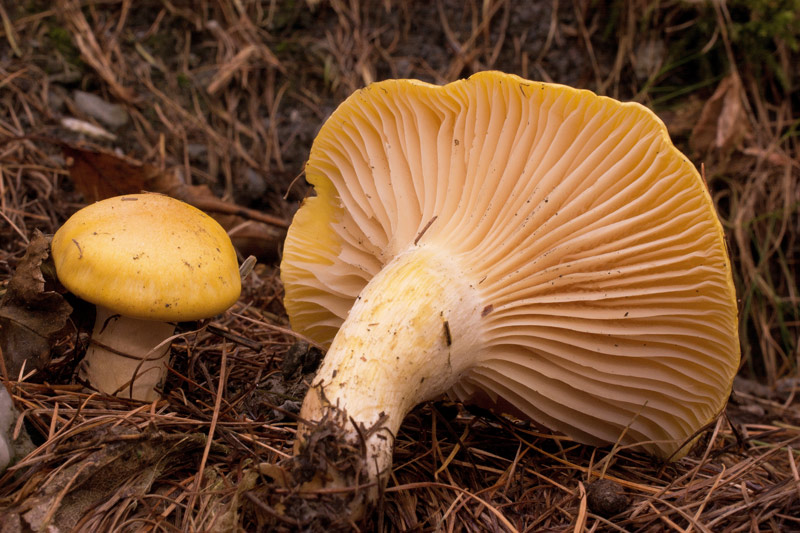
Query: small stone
112,115
606,498
253,185
11,450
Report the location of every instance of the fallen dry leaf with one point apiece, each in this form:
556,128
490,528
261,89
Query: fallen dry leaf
98,174
723,121
123,468
30,315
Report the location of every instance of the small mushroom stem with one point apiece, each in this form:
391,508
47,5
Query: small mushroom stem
409,337
125,350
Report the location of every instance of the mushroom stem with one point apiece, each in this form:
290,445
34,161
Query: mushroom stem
125,349
409,337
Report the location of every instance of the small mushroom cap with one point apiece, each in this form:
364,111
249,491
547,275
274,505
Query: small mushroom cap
148,256
610,309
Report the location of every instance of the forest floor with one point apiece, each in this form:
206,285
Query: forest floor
217,102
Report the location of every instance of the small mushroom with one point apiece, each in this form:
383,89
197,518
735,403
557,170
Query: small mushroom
146,261
525,246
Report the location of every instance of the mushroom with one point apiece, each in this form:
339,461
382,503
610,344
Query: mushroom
146,261
526,246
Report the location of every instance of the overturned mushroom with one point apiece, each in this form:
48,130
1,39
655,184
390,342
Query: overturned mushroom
521,245
146,261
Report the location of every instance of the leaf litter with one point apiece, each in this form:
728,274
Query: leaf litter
227,98
31,314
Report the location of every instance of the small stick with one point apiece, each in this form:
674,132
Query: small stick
225,333
428,225
220,206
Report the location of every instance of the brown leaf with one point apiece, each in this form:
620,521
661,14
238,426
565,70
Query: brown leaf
124,467
99,174
723,121
30,315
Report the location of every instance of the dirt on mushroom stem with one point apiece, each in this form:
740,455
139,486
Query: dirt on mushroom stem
331,456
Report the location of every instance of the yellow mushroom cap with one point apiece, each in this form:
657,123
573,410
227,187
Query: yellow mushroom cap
148,256
610,310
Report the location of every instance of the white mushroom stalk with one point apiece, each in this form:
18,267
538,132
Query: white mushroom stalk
524,246
395,349
127,356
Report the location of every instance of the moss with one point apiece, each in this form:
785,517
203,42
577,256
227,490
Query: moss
184,81
759,27
61,40
758,23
